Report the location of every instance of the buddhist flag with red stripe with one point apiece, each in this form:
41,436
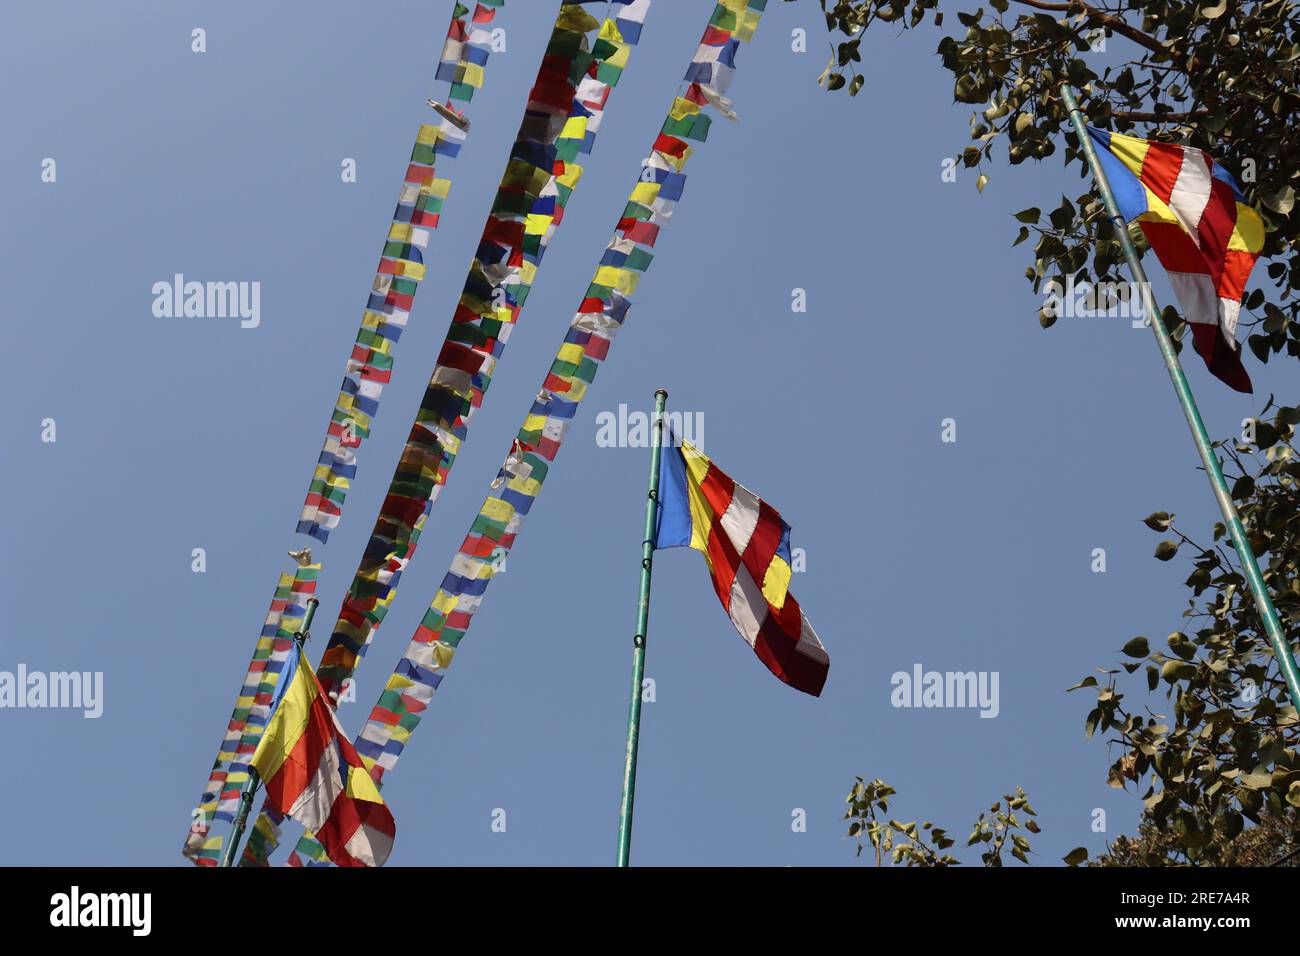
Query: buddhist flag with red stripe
313,774
1196,219
746,545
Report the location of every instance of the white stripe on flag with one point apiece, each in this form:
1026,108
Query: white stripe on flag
1229,311
740,518
368,845
1191,191
1197,295
312,808
747,607
810,645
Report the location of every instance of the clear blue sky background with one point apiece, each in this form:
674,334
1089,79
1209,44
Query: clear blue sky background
176,434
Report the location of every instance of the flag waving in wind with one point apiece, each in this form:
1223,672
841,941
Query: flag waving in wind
1195,217
747,548
313,774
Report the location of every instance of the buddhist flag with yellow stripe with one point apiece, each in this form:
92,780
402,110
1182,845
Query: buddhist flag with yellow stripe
1197,221
313,774
746,546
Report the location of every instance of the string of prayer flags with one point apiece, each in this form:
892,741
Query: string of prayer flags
585,347
401,269
220,798
369,367
583,62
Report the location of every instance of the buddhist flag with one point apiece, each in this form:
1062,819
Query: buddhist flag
747,548
1195,217
313,774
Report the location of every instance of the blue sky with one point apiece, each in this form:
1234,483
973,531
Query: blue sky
175,434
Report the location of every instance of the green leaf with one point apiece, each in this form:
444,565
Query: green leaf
1165,550
1137,647
1075,856
1030,215
1158,520
981,182
1259,344
1281,201
1177,670
1232,824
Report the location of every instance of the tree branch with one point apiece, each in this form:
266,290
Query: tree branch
1141,116
1100,18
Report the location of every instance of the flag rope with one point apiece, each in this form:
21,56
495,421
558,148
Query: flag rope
585,346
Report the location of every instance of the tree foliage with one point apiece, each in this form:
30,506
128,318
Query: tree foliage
1273,842
996,832
1224,755
1217,74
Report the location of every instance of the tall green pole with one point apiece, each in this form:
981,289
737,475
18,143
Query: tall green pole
254,781
241,818
638,642
1249,565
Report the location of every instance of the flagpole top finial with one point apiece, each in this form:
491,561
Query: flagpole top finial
661,392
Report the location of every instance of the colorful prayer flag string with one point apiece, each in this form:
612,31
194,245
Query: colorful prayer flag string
220,797
583,61
461,64
586,345
401,268
582,64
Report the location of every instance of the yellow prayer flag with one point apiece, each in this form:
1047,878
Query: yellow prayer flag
575,127
537,223
645,193
438,188
570,352
609,31
494,509
683,108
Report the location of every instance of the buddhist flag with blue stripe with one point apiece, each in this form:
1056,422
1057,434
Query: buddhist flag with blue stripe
313,774
746,546
1197,221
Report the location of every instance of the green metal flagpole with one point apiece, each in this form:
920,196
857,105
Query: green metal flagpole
638,642
241,818
254,781
1250,566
